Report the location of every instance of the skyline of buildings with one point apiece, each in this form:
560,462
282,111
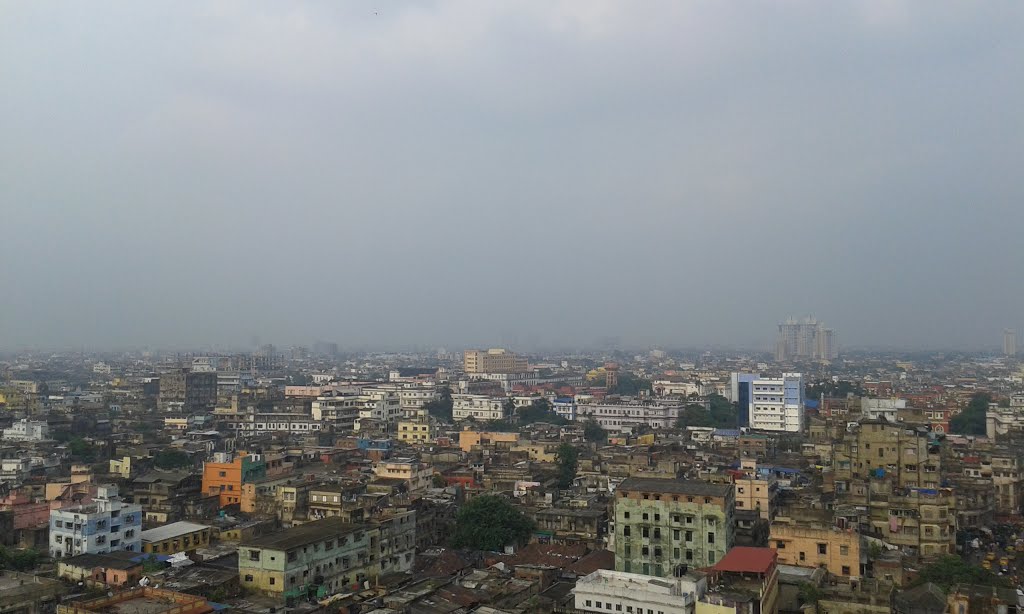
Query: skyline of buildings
806,339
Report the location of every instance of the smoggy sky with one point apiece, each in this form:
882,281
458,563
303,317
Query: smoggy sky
187,174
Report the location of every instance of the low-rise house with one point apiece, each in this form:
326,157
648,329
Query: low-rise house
176,537
115,569
312,560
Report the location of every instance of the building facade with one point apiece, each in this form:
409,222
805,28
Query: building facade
312,560
106,525
662,525
493,361
777,404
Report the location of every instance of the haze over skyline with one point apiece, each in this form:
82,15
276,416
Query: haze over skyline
188,174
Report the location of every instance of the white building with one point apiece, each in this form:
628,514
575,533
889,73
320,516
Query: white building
28,430
250,422
777,404
618,592
478,406
626,417
106,525
102,368
876,409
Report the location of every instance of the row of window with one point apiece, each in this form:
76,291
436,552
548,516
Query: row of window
677,534
676,518
618,608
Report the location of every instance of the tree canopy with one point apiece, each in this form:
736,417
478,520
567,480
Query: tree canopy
82,450
567,458
971,421
490,522
950,570
441,408
172,459
592,431
720,413
539,410
19,560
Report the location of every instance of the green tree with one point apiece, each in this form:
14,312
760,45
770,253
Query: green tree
724,413
630,384
172,459
82,450
567,459
694,414
509,408
808,594
950,570
539,410
971,421
18,560
441,408
592,431
501,426
490,522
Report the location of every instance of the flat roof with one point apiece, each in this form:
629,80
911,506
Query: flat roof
304,534
681,487
168,531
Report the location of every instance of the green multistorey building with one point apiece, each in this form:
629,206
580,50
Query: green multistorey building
664,525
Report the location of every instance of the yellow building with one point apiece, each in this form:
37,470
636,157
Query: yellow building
468,439
815,546
754,492
122,467
493,361
176,537
415,431
417,475
543,453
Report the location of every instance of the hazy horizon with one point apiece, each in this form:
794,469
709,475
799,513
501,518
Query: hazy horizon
530,174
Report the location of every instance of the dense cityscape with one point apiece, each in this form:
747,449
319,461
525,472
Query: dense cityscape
310,479
511,307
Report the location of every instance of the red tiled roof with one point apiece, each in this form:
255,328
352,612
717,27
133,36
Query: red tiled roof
744,559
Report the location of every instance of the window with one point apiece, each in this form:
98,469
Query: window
780,545
588,603
689,555
248,578
645,516
625,515
222,474
292,556
846,570
844,550
645,532
597,604
272,580
689,536
822,548
254,555
645,551
711,538
803,557
625,531
657,533
675,534
657,517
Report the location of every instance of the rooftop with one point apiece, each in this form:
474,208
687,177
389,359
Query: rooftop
744,559
304,534
682,487
168,531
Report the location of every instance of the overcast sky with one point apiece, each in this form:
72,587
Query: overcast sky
186,174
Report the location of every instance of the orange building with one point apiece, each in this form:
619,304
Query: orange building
225,477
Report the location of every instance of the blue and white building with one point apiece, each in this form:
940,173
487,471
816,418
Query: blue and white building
777,404
106,525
